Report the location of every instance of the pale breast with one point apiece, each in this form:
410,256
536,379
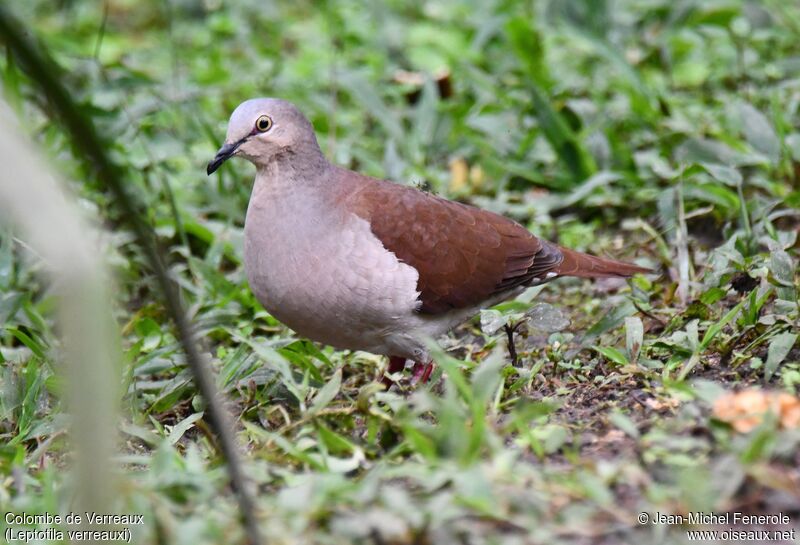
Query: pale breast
324,274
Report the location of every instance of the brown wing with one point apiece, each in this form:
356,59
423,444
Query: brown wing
464,255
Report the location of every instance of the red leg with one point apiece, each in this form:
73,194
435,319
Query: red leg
396,363
422,372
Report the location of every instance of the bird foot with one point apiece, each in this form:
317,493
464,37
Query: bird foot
421,372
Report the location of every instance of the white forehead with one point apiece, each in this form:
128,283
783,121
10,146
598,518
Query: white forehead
245,115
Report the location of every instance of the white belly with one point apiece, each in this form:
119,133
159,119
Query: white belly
331,280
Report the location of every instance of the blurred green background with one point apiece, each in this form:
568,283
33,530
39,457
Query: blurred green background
657,130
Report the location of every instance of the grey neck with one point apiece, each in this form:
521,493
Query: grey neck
289,164
291,175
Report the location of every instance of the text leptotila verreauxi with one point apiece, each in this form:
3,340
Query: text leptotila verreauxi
366,264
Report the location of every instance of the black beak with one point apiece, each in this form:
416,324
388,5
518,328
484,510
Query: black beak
224,153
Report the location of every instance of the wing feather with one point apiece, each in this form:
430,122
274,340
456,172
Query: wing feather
464,255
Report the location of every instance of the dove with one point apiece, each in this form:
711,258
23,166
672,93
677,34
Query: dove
359,263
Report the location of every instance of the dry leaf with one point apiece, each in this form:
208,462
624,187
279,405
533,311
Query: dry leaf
415,80
662,404
745,410
459,172
476,176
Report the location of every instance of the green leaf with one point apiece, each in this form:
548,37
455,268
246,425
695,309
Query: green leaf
778,350
150,332
611,319
368,97
527,45
182,427
527,42
327,393
724,174
759,132
420,442
450,365
274,360
612,354
714,194
623,422
142,433
782,269
761,441
35,346
712,295
715,328
634,336
704,150
334,442
565,143
595,488
492,321
486,378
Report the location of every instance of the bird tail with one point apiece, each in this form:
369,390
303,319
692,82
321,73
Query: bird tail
590,266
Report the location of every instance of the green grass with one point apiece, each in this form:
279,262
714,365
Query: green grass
656,131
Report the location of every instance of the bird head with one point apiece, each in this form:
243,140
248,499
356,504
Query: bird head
260,129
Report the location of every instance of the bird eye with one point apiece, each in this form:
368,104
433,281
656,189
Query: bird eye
264,123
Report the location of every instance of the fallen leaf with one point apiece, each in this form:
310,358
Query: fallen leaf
745,410
661,404
459,171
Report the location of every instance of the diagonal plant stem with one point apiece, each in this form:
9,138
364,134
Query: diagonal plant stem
90,148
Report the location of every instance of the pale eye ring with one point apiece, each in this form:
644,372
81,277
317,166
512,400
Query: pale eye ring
263,123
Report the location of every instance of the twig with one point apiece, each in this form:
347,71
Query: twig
90,148
512,348
649,314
